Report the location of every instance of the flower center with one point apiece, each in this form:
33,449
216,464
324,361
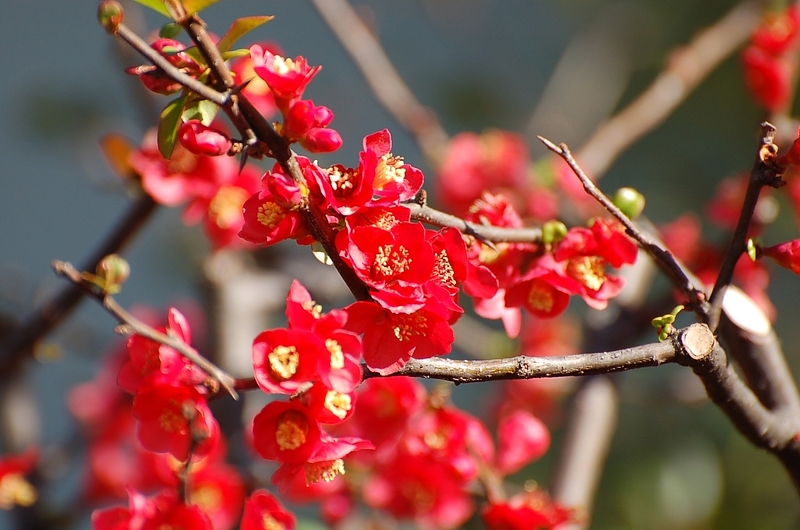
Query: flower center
291,431
339,404
283,362
588,270
225,208
325,471
270,214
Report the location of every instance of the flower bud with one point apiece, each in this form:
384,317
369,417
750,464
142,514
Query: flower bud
553,231
630,202
110,15
202,140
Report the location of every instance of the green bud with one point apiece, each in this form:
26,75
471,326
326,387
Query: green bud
553,231
113,270
752,251
110,15
629,201
170,30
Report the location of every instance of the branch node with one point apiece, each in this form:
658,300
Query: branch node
698,341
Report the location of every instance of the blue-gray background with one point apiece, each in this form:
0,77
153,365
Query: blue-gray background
479,64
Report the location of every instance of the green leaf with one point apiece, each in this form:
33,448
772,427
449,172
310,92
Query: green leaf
233,54
195,6
168,125
202,110
239,28
170,30
155,5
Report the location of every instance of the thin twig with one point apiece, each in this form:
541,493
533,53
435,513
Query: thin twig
249,121
136,42
52,312
497,234
386,83
133,325
686,68
764,173
663,258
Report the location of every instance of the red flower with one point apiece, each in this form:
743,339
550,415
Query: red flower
203,140
286,78
395,263
495,161
185,176
218,490
324,464
170,417
162,511
452,437
152,362
287,432
786,255
532,510
422,489
391,339
522,438
394,180
262,511
154,77
266,222
778,32
286,359
385,406
768,78
14,489
257,91
222,213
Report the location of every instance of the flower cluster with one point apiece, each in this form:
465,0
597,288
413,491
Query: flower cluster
303,121
428,456
315,361
768,61
542,278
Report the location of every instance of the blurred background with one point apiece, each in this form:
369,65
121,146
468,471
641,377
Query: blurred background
546,67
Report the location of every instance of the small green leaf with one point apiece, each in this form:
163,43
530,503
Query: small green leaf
155,5
170,30
168,125
752,250
202,110
319,252
240,27
233,54
195,6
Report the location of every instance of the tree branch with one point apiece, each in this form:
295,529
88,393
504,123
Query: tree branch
133,325
431,216
686,68
663,258
764,173
52,312
386,83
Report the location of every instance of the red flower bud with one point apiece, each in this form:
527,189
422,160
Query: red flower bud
202,140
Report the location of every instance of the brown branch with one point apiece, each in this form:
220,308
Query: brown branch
750,339
243,114
764,173
522,367
386,83
133,325
497,234
776,433
137,43
20,341
663,258
686,68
